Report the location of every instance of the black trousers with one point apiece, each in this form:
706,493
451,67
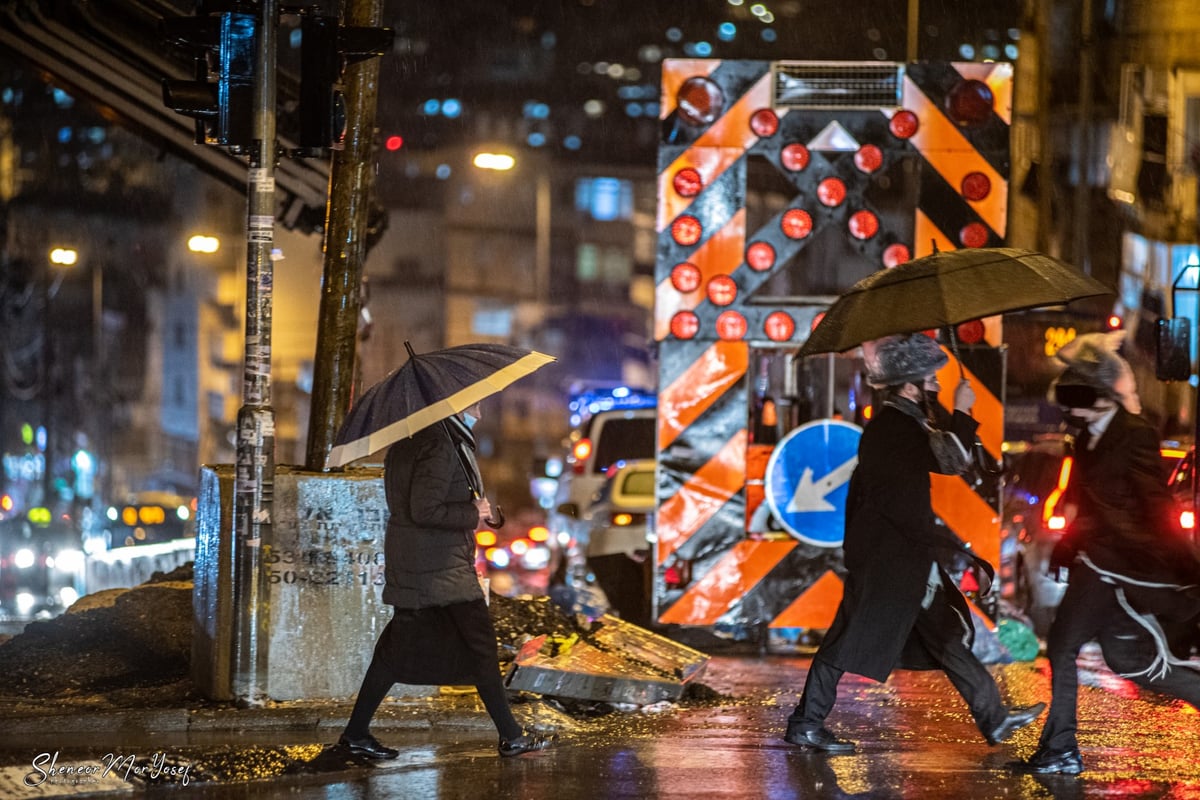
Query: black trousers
968,675
1090,610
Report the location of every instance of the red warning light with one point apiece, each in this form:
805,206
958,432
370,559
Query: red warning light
970,103
976,186
779,326
764,123
863,224
904,124
794,157
685,277
685,325
895,255
394,143
731,326
687,182
868,158
686,230
970,332
721,290
831,192
973,234
796,223
760,256
700,101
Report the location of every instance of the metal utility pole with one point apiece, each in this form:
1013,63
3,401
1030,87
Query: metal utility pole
346,217
254,477
1083,185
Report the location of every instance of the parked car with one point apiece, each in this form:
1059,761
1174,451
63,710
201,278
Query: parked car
605,439
1037,475
619,537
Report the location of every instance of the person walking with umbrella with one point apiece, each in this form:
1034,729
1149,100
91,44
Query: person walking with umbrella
440,632
900,607
1131,568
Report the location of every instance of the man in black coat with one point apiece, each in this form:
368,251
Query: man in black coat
1131,566
900,607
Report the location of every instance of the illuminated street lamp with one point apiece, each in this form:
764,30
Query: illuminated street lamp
64,256
503,162
201,243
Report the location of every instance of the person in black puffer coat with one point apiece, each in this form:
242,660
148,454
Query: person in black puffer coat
440,632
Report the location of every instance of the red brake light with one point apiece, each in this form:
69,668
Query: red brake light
581,451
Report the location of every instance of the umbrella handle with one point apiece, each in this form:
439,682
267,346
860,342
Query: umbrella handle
497,519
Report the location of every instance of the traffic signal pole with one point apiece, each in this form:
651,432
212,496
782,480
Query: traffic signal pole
254,477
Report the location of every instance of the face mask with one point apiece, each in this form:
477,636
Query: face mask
1074,420
469,420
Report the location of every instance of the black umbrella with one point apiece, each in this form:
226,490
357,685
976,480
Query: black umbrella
944,289
428,388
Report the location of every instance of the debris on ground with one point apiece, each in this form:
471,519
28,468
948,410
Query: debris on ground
129,648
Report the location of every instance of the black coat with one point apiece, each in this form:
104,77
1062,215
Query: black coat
430,542
1127,522
892,540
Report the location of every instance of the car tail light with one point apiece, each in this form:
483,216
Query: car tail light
623,519
580,452
1187,520
1054,521
678,575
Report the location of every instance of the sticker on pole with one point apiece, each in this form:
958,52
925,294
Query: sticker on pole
808,479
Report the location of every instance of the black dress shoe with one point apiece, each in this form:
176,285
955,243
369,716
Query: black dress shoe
820,739
368,747
1054,762
525,743
1016,719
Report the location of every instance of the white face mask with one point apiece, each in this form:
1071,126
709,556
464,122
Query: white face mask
469,420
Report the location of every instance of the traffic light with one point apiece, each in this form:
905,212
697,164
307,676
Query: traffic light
326,48
223,110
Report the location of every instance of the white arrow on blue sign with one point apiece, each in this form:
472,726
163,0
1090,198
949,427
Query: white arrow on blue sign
808,478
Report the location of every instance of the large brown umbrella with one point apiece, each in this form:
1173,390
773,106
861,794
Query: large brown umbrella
945,289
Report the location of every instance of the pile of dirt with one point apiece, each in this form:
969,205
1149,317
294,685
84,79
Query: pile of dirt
113,641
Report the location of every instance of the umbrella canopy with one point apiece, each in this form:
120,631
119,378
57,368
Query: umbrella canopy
946,289
428,388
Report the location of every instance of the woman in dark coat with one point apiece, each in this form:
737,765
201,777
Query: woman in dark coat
900,608
1132,570
440,632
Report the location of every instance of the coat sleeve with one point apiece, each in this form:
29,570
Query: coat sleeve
434,501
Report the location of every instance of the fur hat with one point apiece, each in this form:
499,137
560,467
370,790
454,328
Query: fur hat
897,360
1092,362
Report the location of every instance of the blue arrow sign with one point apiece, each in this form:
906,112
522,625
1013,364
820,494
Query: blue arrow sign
808,478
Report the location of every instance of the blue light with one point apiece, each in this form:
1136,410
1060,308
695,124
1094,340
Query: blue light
726,31
62,99
442,172
634,109
7,95
768,35
572,143
535,110
703,49
536,139
966,51
451,108
674,34
295,38
64,134
431,107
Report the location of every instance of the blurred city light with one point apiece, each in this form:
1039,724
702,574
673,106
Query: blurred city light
203,244
64,256
500,162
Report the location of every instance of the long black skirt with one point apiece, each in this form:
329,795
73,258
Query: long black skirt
441,645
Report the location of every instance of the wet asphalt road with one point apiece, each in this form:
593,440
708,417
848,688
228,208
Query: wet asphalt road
915,740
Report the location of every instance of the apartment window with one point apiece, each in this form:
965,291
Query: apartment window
604,199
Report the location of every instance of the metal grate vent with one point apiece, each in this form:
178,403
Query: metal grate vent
824,85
